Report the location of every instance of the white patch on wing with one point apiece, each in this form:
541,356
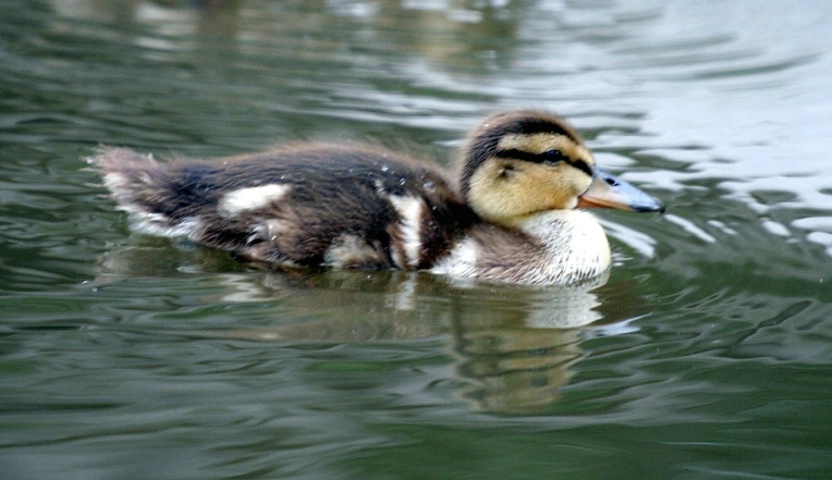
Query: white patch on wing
251,198
461,261
410,225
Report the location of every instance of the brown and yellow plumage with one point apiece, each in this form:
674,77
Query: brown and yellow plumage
509,215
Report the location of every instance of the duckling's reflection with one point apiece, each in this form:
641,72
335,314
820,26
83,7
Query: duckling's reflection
518,355
514,346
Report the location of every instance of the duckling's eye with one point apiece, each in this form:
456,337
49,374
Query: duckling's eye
553,157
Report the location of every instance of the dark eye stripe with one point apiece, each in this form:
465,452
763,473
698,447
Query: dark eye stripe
581,165
516,154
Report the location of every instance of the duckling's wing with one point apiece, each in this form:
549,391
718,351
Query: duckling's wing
305,206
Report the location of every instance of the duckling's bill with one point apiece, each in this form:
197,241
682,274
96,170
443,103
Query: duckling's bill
609,191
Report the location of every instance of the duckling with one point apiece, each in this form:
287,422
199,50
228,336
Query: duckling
513,211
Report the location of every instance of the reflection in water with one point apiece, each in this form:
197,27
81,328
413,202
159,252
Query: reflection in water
516,363
513,345
516,370
514,355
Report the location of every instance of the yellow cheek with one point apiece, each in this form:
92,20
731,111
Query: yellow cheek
504,192
553,188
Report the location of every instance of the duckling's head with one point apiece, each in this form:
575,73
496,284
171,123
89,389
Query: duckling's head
520,163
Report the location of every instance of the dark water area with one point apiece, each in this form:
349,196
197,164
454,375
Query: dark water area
706,354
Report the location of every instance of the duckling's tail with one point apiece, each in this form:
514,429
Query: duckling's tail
140,185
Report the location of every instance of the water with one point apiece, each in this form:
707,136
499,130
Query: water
705,355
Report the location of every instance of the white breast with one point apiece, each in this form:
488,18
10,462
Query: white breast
575,242
567,246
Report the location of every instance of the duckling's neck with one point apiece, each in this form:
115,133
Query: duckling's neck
574,244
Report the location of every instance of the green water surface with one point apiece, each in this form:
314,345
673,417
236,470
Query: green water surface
706,355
